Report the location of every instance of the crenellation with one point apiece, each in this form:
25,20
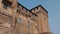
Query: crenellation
39,8
34,11
20,8
24,10
28,14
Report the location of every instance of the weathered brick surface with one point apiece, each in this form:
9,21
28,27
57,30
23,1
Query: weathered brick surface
36,17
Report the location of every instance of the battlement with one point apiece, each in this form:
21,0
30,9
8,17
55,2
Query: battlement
33,13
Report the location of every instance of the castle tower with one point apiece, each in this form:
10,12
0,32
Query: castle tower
17,19
42,20
43,24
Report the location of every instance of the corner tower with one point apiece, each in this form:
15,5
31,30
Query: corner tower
42,20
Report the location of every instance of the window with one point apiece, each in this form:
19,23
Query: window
6,3
37,27
28,25
18,11
19,20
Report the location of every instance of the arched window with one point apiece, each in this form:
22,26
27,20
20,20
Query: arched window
19,20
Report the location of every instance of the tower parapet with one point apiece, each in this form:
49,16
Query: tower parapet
33,13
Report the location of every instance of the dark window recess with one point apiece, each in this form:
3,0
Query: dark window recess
18,11
37,28
28,25
6,3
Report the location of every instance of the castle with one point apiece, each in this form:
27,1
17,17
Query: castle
17,19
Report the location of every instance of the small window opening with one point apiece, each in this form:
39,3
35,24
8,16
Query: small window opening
19,20
6,3
28,25
18,11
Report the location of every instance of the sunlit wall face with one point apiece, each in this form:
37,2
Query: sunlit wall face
51,7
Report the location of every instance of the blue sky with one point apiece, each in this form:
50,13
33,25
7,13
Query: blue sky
53,8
